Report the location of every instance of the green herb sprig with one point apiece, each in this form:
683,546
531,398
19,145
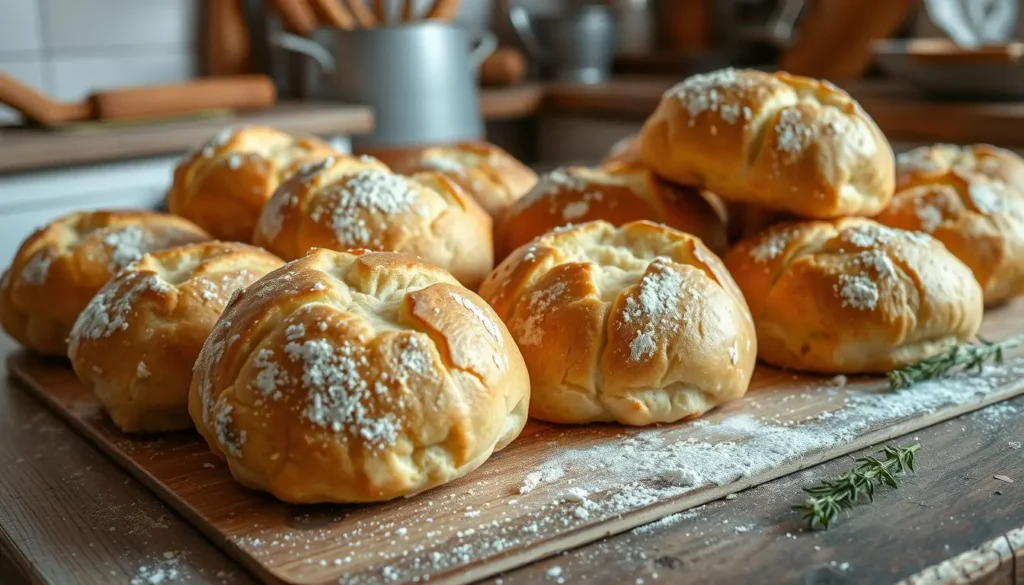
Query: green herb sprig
830,498
962,357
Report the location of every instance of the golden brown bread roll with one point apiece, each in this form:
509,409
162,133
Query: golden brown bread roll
780,141
357,377
61,266
638,324
346,203
223,185
617,193
946,164
137,340
852,296
985,231
493,177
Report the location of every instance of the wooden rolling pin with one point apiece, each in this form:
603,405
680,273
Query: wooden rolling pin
505,66
238,92
445,10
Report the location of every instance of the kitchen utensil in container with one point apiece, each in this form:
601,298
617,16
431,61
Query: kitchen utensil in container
419,78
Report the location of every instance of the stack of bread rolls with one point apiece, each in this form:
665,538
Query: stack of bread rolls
829,290
314,315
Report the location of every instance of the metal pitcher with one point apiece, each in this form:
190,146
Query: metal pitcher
419,78
578,46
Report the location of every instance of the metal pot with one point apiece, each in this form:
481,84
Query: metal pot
419,78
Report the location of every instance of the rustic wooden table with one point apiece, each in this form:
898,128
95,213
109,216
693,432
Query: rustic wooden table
69,515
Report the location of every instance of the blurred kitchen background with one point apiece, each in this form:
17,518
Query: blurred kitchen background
113,92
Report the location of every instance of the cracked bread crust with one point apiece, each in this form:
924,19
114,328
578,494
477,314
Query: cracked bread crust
781,141
357,377
638,324
852,296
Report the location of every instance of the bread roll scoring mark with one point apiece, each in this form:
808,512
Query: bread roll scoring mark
478,313
109,311
126,245
37,269
655,306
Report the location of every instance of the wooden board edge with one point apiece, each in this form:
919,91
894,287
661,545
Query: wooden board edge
654,512
570,540
995,561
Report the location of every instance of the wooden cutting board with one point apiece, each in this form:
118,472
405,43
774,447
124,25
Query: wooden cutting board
553,489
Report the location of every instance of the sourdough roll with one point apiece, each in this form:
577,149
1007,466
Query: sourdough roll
852,296
357,377
971,200
491,176
638,324
137,341
223,185
616,193
61,266
781,141
344,203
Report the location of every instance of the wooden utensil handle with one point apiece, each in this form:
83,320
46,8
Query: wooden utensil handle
362,13
443,10
506,66
333,13
380,11
408,10
239,92
37,106
297,15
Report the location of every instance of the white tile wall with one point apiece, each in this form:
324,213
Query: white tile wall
79,24
29,71
71,48
19,26
75,77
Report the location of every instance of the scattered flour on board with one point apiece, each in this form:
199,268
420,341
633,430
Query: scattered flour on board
600,481
165,569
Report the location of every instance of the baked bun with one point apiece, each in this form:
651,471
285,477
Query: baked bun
223,185
626,150
344,203
616,193
138,339
852,296
638,324
491,176
948,164
357,377
61,266
780,141
980,221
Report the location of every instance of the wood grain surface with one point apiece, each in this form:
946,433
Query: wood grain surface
68,515
928,526
515,509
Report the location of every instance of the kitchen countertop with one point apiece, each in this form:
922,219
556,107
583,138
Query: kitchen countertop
69,514
23,149
903,115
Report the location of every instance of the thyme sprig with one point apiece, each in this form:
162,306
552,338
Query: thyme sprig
830,498
963,357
